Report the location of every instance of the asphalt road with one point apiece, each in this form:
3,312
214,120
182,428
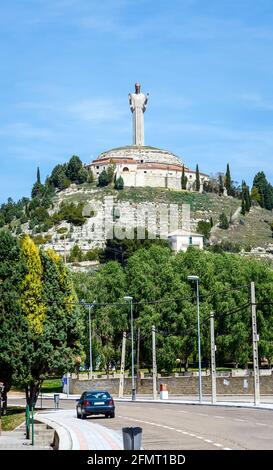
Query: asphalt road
187,427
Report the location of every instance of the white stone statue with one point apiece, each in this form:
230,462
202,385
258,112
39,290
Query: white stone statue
138,103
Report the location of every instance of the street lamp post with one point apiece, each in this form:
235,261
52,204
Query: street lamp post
130,299
90,306
196,279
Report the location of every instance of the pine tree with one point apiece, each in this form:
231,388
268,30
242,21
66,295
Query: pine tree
197,180
103,178
228,184
38,176
119,183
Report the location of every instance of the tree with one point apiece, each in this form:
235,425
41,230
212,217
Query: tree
38,175
184,179
204,228
53,339
110,172
228,183
264,189
119,183
58,177
76,254
197,180
12,325
246,199
221,185
73,167
243,207
103,179
223,221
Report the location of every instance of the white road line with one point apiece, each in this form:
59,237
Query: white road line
240,420
202,414
182,411
219,417
261,424
209,441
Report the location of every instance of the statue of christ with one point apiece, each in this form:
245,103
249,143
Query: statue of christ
138,103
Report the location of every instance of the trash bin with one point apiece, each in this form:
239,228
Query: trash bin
132,438
56,400
164,394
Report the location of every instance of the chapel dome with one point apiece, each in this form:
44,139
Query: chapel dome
141,154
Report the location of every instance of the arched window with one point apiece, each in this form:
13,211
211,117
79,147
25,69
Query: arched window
125,169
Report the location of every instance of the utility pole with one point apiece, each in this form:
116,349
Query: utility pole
255,339
212,360
122,366
154,364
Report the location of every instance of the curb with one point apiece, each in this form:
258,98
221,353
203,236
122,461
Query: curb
183,402
65,438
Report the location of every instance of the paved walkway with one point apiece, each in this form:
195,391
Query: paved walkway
15,440
81,434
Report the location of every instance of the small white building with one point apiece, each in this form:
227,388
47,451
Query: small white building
181,240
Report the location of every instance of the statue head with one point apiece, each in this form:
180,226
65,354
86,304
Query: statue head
137,87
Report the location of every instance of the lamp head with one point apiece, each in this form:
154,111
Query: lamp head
193,278
127,297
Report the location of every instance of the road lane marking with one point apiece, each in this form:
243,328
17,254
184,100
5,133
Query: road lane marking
219,417
202,414
216,444
183,411
261,424
240,420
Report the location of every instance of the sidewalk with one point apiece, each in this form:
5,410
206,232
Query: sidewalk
77,434
15,440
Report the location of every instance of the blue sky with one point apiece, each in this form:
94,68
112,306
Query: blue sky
66,67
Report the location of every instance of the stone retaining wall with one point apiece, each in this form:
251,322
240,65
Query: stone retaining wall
178,385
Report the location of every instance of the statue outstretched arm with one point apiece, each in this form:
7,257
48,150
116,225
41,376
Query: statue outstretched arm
145,102
130,103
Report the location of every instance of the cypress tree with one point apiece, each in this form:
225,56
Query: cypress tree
197,181
221,185
38,176
228,181
184,179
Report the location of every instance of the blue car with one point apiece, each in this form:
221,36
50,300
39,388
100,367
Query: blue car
95,402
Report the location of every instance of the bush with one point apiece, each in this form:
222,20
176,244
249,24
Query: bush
223,221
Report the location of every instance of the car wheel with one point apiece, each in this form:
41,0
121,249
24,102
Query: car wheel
112,415
83,416
78,414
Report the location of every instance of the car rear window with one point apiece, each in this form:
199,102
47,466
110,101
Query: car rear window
97,395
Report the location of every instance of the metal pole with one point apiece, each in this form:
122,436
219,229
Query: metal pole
199,342
32,425
255,339
67,384
90,342
132,341
154,364
122,366
213,361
